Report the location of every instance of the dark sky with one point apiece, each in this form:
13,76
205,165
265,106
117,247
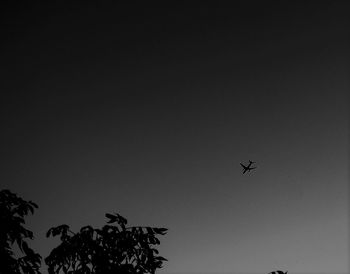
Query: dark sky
148,111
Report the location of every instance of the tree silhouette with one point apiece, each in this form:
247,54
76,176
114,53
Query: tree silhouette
112,249
13,209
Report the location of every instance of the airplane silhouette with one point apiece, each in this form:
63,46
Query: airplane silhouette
247,168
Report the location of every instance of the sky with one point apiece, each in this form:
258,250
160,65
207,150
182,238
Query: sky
149,111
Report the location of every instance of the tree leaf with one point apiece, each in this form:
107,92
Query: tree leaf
149,230
111,218
49,232
161,231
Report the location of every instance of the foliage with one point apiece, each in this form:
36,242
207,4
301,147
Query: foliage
112,249
13,209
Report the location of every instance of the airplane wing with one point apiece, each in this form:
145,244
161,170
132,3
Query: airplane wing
242,165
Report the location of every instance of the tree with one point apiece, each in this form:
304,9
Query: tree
13,209
112,249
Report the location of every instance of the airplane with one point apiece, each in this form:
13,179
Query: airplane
247,168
